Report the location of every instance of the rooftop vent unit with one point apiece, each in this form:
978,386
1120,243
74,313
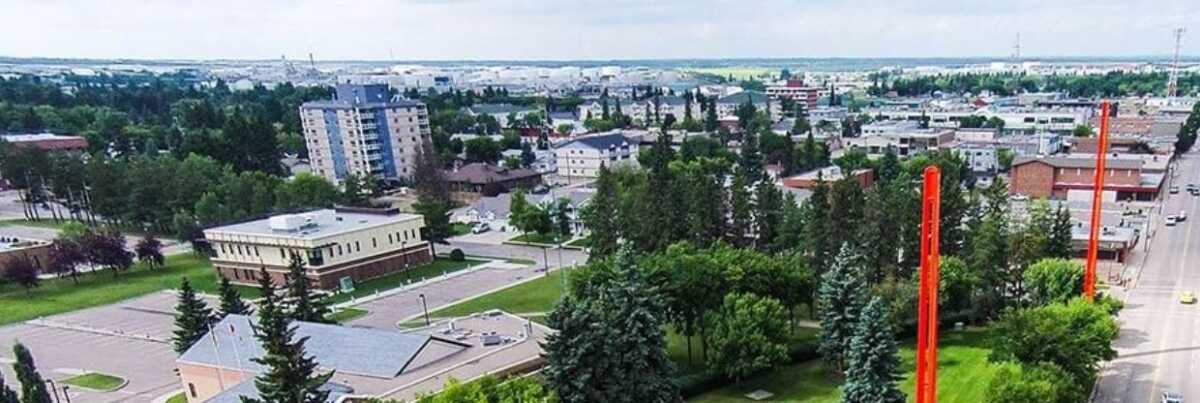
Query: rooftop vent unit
292,222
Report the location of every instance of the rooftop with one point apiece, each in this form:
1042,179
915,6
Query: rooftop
314,224
612,139
492,109
481,174
1075,161
47,141
348,350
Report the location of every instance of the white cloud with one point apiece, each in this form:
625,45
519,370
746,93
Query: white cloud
589,29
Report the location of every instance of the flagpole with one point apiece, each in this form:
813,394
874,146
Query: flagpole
217,353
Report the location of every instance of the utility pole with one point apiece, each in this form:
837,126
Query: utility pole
1173,82
1089,273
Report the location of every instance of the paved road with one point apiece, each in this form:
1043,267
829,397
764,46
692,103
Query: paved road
1159,344
170,246
389,311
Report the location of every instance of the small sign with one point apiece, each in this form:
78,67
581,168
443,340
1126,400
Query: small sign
347,284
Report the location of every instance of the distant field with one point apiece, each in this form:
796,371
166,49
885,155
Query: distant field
963,375
738,73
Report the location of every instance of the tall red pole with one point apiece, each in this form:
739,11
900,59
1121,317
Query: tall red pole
927,309
1089,273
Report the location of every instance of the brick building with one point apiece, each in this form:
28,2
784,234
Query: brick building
334,245
1055,177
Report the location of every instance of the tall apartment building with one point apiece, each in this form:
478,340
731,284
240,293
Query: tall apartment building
364,132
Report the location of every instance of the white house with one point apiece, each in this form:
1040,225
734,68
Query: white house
583,156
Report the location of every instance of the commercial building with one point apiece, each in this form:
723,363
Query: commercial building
904,138
796,91
47,141
481,178
828,175
338,247
1058,177
364,131
582,157
367,363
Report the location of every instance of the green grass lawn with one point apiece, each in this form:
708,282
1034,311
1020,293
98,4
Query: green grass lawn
179,398
535,296
438,267
346,315
547,239
96,381
457,229
43,223
580,242
100,288
963,375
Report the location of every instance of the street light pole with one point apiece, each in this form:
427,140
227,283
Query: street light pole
54,388
425,308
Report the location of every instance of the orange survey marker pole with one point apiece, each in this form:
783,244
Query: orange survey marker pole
1089,273
927,309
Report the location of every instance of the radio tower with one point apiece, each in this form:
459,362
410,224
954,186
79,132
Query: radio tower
1173,82
1017,49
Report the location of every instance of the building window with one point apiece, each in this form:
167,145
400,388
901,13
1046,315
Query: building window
357,247
373,243
339,249
237,274
282,254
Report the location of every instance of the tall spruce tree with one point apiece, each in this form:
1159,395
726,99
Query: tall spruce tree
33,386
819,245
1059,245
741,208
231,300
840,300
768,215
610,345
289,375
845,212
873,367
600,216
7,395
192,318
306,305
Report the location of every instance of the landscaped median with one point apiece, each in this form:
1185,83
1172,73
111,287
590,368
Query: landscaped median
544,240
96,381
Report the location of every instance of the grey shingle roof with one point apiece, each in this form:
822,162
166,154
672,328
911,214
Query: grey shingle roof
248,389
600,141
491,109
358,351
741,97
1072,162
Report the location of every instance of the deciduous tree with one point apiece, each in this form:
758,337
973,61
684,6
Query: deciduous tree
747,335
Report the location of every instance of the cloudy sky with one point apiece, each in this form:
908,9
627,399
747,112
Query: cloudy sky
591,29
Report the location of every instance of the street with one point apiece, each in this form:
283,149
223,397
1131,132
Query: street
1159,344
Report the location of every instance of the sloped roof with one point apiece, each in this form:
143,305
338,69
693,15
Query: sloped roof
350,350
248,389
599,141
481,174
741,98
492,109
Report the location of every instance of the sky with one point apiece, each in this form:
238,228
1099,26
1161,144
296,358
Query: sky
591,29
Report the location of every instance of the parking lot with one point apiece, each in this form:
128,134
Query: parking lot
130,339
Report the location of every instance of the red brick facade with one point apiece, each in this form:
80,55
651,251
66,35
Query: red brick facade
1041,179
1035,179
327,277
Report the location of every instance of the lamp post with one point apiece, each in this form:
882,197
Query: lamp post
425,308
54,388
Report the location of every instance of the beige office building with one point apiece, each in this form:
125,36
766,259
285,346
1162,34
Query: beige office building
333,244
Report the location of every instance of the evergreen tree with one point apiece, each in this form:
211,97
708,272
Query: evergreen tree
610,345
192,318
741,208
873,367
1059,245
877,233
33,386
889,165
768,214
600,216
289,375
306,306
845,212
750,158
840,300
7,395
231,300
990,258
433,197
819,245
710,116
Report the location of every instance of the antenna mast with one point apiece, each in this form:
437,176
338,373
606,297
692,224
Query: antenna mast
1173,82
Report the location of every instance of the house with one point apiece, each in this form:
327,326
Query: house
902,137
487,179
583,156
559,119
727,105
1059,177
368,363
47,141
338,247
828,175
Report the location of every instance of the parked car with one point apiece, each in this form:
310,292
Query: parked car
1170,221
1187,298
1172,397
1174,189
480,228
1182,216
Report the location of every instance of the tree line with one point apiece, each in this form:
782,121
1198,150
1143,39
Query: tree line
1112,84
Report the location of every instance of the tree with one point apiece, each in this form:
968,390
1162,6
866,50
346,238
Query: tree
741,208
990,258
1075,336
192,318
748,334
600,216
149,251
33,386
482,149
107,249
1059,244
768,214
306,305
873,367
231,299
7,395
356,191
840,300
1033,384
20,269
1051,281
433,197
289,374
610,345
1082,131
819,245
